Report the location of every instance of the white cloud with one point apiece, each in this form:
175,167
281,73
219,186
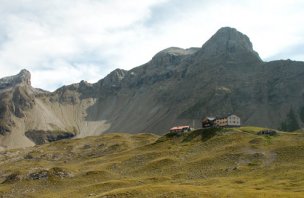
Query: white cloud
51,38
63,42
64,73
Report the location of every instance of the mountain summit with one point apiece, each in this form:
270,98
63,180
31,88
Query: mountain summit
177,87
24,77
230,43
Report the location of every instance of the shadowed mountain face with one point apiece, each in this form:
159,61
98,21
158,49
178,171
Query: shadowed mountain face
178,86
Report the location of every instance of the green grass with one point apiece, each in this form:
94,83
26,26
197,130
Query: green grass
204,163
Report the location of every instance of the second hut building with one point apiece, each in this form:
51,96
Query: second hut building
225,121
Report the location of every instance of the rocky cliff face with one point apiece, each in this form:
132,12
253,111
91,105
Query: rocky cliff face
23,78
16,96
178,86
230,44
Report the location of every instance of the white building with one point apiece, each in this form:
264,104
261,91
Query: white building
233,120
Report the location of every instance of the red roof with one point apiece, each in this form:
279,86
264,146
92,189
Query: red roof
179,128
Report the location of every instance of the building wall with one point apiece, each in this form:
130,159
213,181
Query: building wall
233,120
222,122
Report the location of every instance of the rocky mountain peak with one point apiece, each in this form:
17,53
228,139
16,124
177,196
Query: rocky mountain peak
24,77
172,55
176,51
114,78
229,41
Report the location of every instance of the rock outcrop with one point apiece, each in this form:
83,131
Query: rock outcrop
230,44
42,137
24,78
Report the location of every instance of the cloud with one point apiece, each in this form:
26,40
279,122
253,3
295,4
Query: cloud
51,38
295,52
63,42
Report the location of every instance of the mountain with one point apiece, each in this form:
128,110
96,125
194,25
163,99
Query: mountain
204,163
178,86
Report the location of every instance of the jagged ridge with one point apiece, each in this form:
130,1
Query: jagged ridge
178,86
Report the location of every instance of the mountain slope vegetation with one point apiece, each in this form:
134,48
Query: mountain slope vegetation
204,163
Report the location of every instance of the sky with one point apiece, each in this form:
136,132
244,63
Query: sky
64,42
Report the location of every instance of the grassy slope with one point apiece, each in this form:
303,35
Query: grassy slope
233,163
